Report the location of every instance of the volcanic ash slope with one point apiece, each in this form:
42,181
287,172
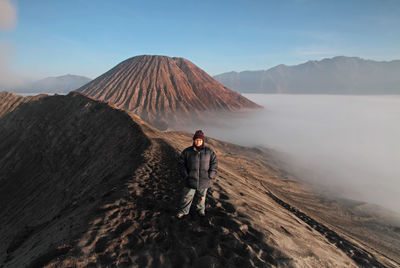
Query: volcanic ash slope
163,90
84,184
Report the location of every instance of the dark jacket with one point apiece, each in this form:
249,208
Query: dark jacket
198,167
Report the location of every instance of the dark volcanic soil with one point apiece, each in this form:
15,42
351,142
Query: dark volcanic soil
10,101
83,184
62,156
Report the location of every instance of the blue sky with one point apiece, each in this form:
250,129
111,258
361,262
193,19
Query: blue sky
85,37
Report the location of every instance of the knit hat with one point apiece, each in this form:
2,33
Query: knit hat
198,135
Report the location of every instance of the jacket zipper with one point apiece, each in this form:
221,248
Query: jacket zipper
198,175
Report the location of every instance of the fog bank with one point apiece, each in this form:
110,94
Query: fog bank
349,145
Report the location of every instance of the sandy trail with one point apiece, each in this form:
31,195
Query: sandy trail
141,229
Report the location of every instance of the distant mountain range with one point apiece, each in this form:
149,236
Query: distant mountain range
58,84
338,75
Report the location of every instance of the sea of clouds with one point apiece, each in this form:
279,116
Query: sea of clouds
346,145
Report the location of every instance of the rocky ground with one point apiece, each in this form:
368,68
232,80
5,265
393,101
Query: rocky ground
84,184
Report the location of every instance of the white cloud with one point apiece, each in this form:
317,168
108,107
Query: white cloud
8,15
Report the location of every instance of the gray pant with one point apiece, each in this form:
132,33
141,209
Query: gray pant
187,198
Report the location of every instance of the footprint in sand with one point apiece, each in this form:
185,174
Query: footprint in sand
223,196
228,207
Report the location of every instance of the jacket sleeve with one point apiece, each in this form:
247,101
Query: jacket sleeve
182,165
212,172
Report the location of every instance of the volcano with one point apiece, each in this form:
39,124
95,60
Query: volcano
163,90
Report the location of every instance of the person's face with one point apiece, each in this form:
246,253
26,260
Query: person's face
198,142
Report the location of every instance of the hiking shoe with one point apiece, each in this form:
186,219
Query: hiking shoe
202,213
180,215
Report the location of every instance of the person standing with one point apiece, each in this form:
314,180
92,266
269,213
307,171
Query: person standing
198,165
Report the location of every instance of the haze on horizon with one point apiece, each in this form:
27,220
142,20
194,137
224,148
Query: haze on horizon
51,38
346,146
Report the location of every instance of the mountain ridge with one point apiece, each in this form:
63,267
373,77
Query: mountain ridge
337,75
94,185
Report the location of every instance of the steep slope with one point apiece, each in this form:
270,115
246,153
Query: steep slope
253,181
162,90
339,75
9,101
61,157
85,184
